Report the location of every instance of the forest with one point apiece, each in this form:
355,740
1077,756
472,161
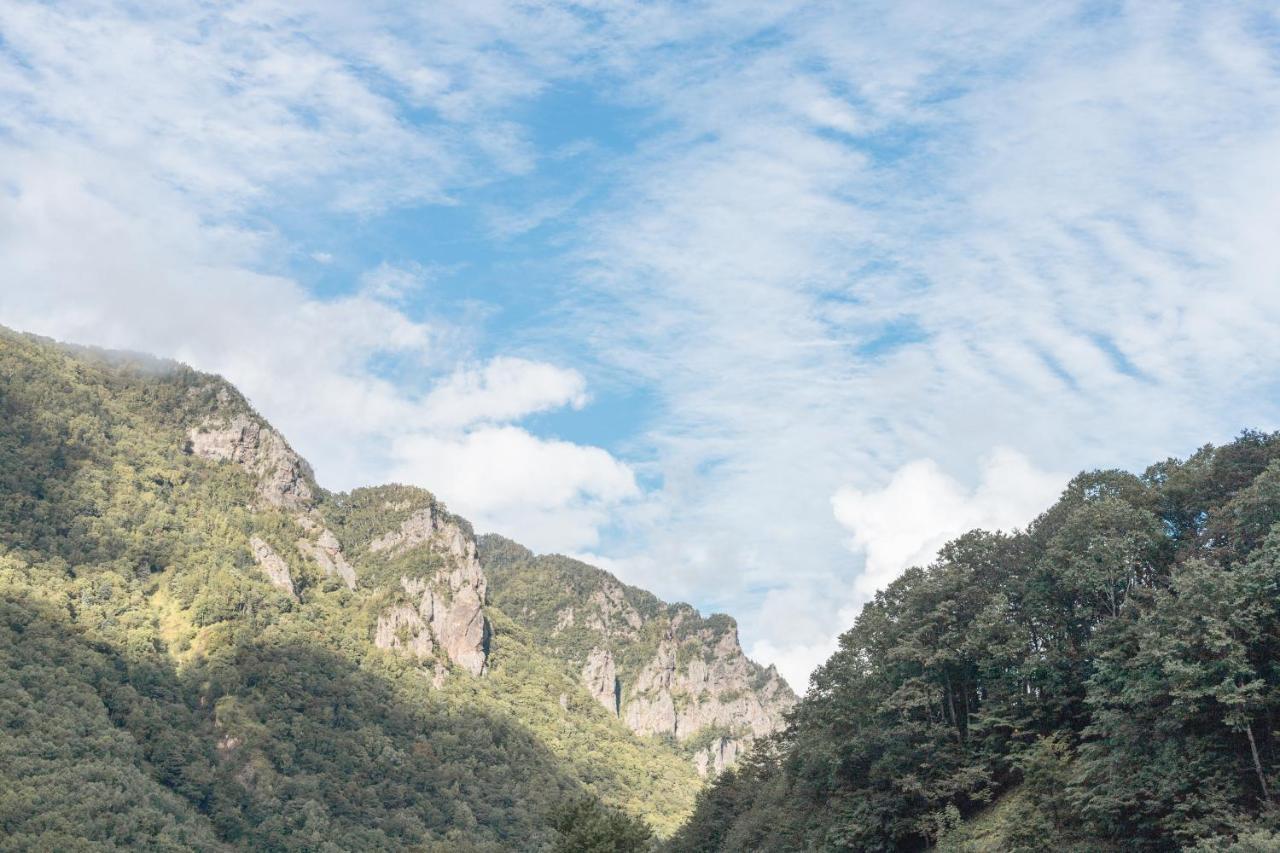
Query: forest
1106,680
158,693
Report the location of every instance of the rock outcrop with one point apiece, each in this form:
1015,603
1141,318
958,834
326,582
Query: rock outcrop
611,613
429,526
600,676
443,610
718,755
323,547
662,669
272,564
283,479
716,686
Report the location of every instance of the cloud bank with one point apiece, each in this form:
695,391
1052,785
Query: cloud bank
798,290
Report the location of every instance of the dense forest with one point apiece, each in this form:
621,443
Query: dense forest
1108,679
177,674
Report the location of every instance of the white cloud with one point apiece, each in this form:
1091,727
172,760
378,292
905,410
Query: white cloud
795,661
921,508
503,390
1066,212
142,149
393,282
913,232
553,494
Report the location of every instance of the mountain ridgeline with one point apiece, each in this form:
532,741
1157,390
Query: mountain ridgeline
202,649
1107,680
661,669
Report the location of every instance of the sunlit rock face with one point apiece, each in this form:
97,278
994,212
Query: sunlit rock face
600,676
440,608
282,480
446,608
322,546
663,670
702,679
282,477
272,565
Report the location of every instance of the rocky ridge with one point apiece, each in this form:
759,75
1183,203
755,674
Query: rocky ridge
440,595
662,670
163,521
282,478
445,608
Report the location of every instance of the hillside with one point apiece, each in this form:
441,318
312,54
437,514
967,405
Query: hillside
660,668
202,648
1106,680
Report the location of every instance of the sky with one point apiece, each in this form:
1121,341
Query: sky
754,304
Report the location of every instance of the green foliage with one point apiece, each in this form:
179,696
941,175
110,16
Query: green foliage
73,765
585,825
571,608
1115,667
156,692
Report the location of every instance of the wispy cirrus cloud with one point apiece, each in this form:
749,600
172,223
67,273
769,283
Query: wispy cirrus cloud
835,240
908,230
147,152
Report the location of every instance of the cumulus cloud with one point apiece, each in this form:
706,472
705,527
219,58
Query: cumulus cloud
554,493
504,389
904,523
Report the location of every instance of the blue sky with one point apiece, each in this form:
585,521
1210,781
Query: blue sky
754,304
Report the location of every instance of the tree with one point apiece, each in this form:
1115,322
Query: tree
586,825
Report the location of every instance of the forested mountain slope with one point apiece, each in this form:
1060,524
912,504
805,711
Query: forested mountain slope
1110,676
201,648
660,668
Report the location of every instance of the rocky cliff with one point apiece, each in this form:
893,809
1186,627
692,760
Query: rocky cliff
432,554
254,660
662,669
421,559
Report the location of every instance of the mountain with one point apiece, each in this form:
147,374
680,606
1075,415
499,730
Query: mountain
202,648
660,668
1106,680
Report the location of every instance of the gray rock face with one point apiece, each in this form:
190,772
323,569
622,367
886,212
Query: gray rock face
427,526
283,478
717,756
404,628
275,568
663,669
564,621
718,686
697,679
611,613
325,549
445,610
600,676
